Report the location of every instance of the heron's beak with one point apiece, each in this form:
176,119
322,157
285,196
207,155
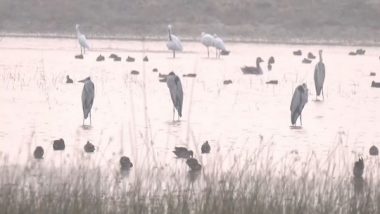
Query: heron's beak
81,80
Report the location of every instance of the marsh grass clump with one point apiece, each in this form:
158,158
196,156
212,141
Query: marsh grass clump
252,185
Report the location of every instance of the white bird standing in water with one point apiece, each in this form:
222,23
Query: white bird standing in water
82,40
207,40
319,76
88,95
219,46
176,92
174,43
299,99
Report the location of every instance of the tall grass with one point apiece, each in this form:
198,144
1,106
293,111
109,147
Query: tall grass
251,185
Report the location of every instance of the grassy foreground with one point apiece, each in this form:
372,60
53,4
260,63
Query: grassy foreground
346,21
256,185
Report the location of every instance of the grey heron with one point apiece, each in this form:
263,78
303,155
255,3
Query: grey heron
219,45
174,43
82,40
205,147
175,87
319,76
182,152
299,99
88,95
253,70
207,40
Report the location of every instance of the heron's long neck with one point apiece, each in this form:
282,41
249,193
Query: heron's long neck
170,34
320,57
78,32
258,64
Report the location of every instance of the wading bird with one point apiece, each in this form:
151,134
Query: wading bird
88,95
82,40
207,40
219,46
319,76
176,93
299,99
174,43
253,70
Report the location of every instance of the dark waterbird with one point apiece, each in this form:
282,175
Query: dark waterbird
193,164
68,80
310,55
59,144
176,93
182,152
360,51
190,75
134,72
80,56
373,151
272,82
270,63
352,53
253,70
319,76
88,95
38,152
112,56
100,58
375,84
297,53
205,147
306,61
89,147
227,82
117,59
130,59
125,163
372,74
359,168
299,99
145,59
155,70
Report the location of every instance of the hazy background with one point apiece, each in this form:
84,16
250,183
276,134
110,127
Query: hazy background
274,20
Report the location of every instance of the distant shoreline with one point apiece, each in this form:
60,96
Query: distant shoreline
294,41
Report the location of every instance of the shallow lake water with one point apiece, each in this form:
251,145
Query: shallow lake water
132,114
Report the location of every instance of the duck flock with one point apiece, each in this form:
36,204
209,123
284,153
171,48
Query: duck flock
298,100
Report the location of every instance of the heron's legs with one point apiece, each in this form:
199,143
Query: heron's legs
301,119
216,53
90,119
323,96
83,122
173,112
173,54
